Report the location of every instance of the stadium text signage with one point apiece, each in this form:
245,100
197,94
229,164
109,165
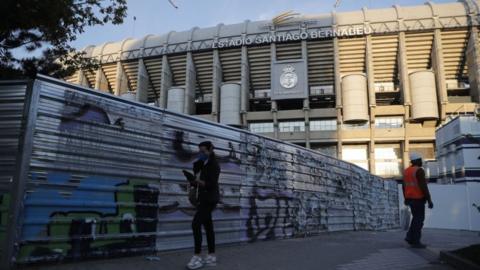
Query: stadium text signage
284,37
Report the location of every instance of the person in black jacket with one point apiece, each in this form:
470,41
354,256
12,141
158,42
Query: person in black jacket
206,171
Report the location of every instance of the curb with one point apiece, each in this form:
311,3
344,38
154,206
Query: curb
458,262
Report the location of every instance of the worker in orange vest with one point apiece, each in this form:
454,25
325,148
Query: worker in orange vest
416,194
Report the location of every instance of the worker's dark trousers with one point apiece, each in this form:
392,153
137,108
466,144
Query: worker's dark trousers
417,207
203,216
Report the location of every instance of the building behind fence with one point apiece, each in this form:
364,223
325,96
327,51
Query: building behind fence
367,86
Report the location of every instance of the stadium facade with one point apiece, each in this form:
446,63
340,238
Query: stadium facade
366,86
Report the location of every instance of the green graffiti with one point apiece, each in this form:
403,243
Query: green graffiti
87,234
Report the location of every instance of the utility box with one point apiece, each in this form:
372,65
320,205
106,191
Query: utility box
458,150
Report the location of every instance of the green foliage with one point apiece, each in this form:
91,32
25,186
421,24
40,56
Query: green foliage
49,26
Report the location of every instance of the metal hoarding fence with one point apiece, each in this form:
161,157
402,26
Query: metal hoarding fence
94,175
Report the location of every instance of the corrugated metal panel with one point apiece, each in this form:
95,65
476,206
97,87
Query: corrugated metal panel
320,62
352,55
154,70
91,77
289,51
231,64
454,48
178,66
384,54
131,71
260,66
204,68
12,100
419,49
105,178
110,71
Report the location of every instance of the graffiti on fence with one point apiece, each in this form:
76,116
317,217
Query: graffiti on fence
86,217
268,189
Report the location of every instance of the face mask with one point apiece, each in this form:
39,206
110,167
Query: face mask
202,156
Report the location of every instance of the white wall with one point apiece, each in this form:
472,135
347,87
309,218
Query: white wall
453,207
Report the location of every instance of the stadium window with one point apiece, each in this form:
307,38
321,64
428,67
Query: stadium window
323,125
388,159
389,122
293,126
261,127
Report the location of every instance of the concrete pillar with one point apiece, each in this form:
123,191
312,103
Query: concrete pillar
403,69
403,76
371,145
216,84
371,99
245,86
82,79
274,110
306,110
370,71
337,75
406,149
438,68
371,156
306,101
275,119
405,140
121,80
338,95
101,82
190,85
166,82
142,82
473,62
339,133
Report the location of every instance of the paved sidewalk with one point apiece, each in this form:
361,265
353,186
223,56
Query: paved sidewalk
339,250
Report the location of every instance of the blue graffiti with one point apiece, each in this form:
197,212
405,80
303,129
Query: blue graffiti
86,113
59,194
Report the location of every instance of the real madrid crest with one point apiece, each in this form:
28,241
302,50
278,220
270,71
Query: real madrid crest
288,79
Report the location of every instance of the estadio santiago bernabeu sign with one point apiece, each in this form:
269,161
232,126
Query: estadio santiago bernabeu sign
287,36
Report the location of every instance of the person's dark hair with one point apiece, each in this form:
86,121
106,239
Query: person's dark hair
417,162
209,146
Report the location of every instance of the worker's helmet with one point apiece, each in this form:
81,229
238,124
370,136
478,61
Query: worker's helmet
415,156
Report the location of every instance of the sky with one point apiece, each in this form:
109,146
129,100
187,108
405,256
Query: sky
160,17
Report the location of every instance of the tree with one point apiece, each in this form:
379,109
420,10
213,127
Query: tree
49,26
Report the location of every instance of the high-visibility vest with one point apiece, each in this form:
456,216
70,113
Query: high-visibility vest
410,181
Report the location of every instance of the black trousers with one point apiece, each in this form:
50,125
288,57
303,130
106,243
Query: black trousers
203,216
417,207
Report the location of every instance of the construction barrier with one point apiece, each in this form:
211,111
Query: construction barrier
87,174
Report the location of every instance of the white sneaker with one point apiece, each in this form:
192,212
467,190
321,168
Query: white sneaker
195,262
210,260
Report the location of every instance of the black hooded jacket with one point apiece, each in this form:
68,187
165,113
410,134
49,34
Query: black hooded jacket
209,173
